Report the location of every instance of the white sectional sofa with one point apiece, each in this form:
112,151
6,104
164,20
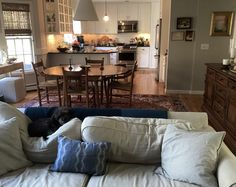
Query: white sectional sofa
136,143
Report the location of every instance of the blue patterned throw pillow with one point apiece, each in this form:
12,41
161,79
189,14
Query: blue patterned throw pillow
81,157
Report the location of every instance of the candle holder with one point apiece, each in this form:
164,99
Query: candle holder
101,68
70,67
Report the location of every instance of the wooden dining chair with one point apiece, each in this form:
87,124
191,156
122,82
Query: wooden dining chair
123,83
99,63
77,84
94,62
45,86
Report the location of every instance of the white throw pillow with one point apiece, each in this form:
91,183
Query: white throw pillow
45,151
190,156
7,112
12,156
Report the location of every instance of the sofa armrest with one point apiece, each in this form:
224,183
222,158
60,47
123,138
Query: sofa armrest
226,171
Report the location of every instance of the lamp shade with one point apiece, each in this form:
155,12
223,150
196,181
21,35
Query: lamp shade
85,11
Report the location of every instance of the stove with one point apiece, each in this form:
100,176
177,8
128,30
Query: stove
127,55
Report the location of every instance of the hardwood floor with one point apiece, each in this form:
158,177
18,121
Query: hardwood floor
145,83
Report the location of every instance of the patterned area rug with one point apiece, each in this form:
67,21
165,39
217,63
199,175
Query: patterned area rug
172,103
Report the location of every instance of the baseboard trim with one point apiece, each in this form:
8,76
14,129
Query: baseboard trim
195,92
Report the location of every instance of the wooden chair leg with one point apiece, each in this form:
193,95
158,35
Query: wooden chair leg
68,101
47,95
130,100
102,90
96,92
59,97
39,96
110,95
59,92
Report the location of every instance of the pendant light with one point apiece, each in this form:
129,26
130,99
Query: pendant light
106,17
85,11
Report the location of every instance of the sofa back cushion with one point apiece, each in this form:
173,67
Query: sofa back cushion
12,156
7,112
35,113
133,140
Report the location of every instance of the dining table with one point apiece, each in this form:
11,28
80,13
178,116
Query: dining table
105,73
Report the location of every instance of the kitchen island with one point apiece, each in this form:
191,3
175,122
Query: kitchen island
58,58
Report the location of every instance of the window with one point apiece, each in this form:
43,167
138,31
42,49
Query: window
20,47
17,26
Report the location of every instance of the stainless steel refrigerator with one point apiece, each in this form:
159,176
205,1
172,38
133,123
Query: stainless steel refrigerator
158,47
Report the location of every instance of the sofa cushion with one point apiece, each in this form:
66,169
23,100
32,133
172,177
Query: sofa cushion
134,140
7,111
190,156
45,151
40,176
12,156
35,113
133,175
81,157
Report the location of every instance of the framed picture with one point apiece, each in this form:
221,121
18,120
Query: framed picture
221,23
184,23
189,35
177,36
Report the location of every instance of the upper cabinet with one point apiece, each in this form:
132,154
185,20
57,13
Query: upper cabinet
127,11
118,11
144,24
109,27
100,26
58,16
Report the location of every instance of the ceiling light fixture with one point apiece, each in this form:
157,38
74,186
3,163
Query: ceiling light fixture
106,17
85,11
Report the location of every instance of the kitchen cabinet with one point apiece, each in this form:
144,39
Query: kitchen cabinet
100,26
220,102
58,16
144,18
127,11
143,57
88,27
55,59
113,56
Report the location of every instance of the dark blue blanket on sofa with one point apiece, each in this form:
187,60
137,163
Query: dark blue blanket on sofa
44,112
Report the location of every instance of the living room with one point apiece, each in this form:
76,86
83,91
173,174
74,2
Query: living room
174,58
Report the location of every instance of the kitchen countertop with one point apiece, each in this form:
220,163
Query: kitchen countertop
85,52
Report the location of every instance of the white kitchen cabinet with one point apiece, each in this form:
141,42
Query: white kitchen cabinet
143,57
113,56
109,27
127,11
144,18
64,58
100,26
58,16
88,27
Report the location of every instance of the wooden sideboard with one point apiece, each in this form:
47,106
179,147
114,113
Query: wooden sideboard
220,101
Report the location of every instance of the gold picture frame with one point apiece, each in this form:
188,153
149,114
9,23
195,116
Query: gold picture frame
221,23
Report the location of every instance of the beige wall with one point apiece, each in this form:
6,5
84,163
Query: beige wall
186,69
165,15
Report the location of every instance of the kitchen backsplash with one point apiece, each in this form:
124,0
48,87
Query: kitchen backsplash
92,39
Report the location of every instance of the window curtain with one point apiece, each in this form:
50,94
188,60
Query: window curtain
16,19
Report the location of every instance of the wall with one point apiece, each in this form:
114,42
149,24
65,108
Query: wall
165,15
186,69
